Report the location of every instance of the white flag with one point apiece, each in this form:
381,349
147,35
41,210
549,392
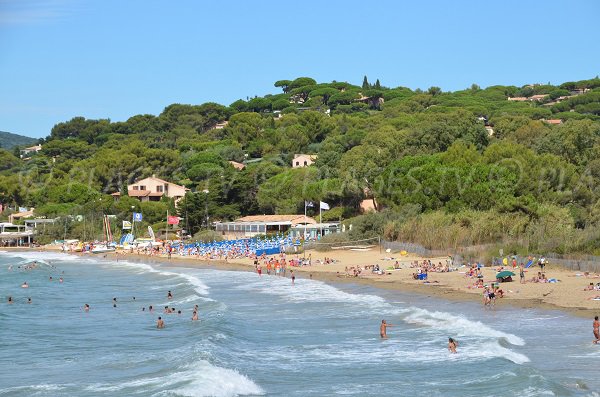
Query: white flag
308,204
324,205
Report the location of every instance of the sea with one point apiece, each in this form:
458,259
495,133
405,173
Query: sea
264,336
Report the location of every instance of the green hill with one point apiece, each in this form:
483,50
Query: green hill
9,140
507,165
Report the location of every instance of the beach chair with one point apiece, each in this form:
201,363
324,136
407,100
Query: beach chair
528,264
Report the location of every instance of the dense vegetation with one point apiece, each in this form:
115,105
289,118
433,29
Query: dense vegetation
445,168
8,140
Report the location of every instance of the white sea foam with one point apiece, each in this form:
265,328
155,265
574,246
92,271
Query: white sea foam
33,390
310,291
458,325
485,341
196,380
45,256
490,350
199,286
316,291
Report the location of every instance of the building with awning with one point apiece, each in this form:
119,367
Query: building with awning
314,231
250,226
15,235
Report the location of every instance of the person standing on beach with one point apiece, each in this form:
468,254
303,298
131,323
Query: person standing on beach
452,345
160,323
383,329
596,330
522,274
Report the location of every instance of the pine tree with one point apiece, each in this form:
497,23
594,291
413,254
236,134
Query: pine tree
377,85
365,84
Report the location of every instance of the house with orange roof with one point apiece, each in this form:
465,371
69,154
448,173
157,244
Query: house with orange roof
153,189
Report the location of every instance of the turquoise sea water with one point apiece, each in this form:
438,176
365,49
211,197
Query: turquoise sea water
265,336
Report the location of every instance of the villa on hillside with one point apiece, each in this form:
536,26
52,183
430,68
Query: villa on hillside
236,165
303,160
17,216
531,98
26,153
552,121
153,189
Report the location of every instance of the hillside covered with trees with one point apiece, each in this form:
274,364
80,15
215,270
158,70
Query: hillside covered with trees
8,140
516,165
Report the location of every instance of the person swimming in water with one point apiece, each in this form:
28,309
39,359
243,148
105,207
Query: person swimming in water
28,300
452,344
160,323
195,316
169,295
24,285
596,330
86,308
383,329
10,300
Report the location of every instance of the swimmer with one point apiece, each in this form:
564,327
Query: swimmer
293,277
150,308
383,329
86,308
195,316
114,305
178,311
114,300
452,345
160,323
10,300
596,330
50,278
24,285
144,309
169,295
60,280
28,300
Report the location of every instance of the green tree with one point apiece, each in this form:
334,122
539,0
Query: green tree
365,84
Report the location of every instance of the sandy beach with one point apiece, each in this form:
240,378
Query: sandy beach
567,294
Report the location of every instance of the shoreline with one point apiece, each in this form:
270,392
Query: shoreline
443,285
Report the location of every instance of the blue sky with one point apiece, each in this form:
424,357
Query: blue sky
114,59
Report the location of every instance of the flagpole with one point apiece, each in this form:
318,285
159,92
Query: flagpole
167,236
320,219
304,237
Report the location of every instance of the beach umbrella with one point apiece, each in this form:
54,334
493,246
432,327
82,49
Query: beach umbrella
504,275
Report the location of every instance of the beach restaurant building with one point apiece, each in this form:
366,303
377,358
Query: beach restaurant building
250,226
14,235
